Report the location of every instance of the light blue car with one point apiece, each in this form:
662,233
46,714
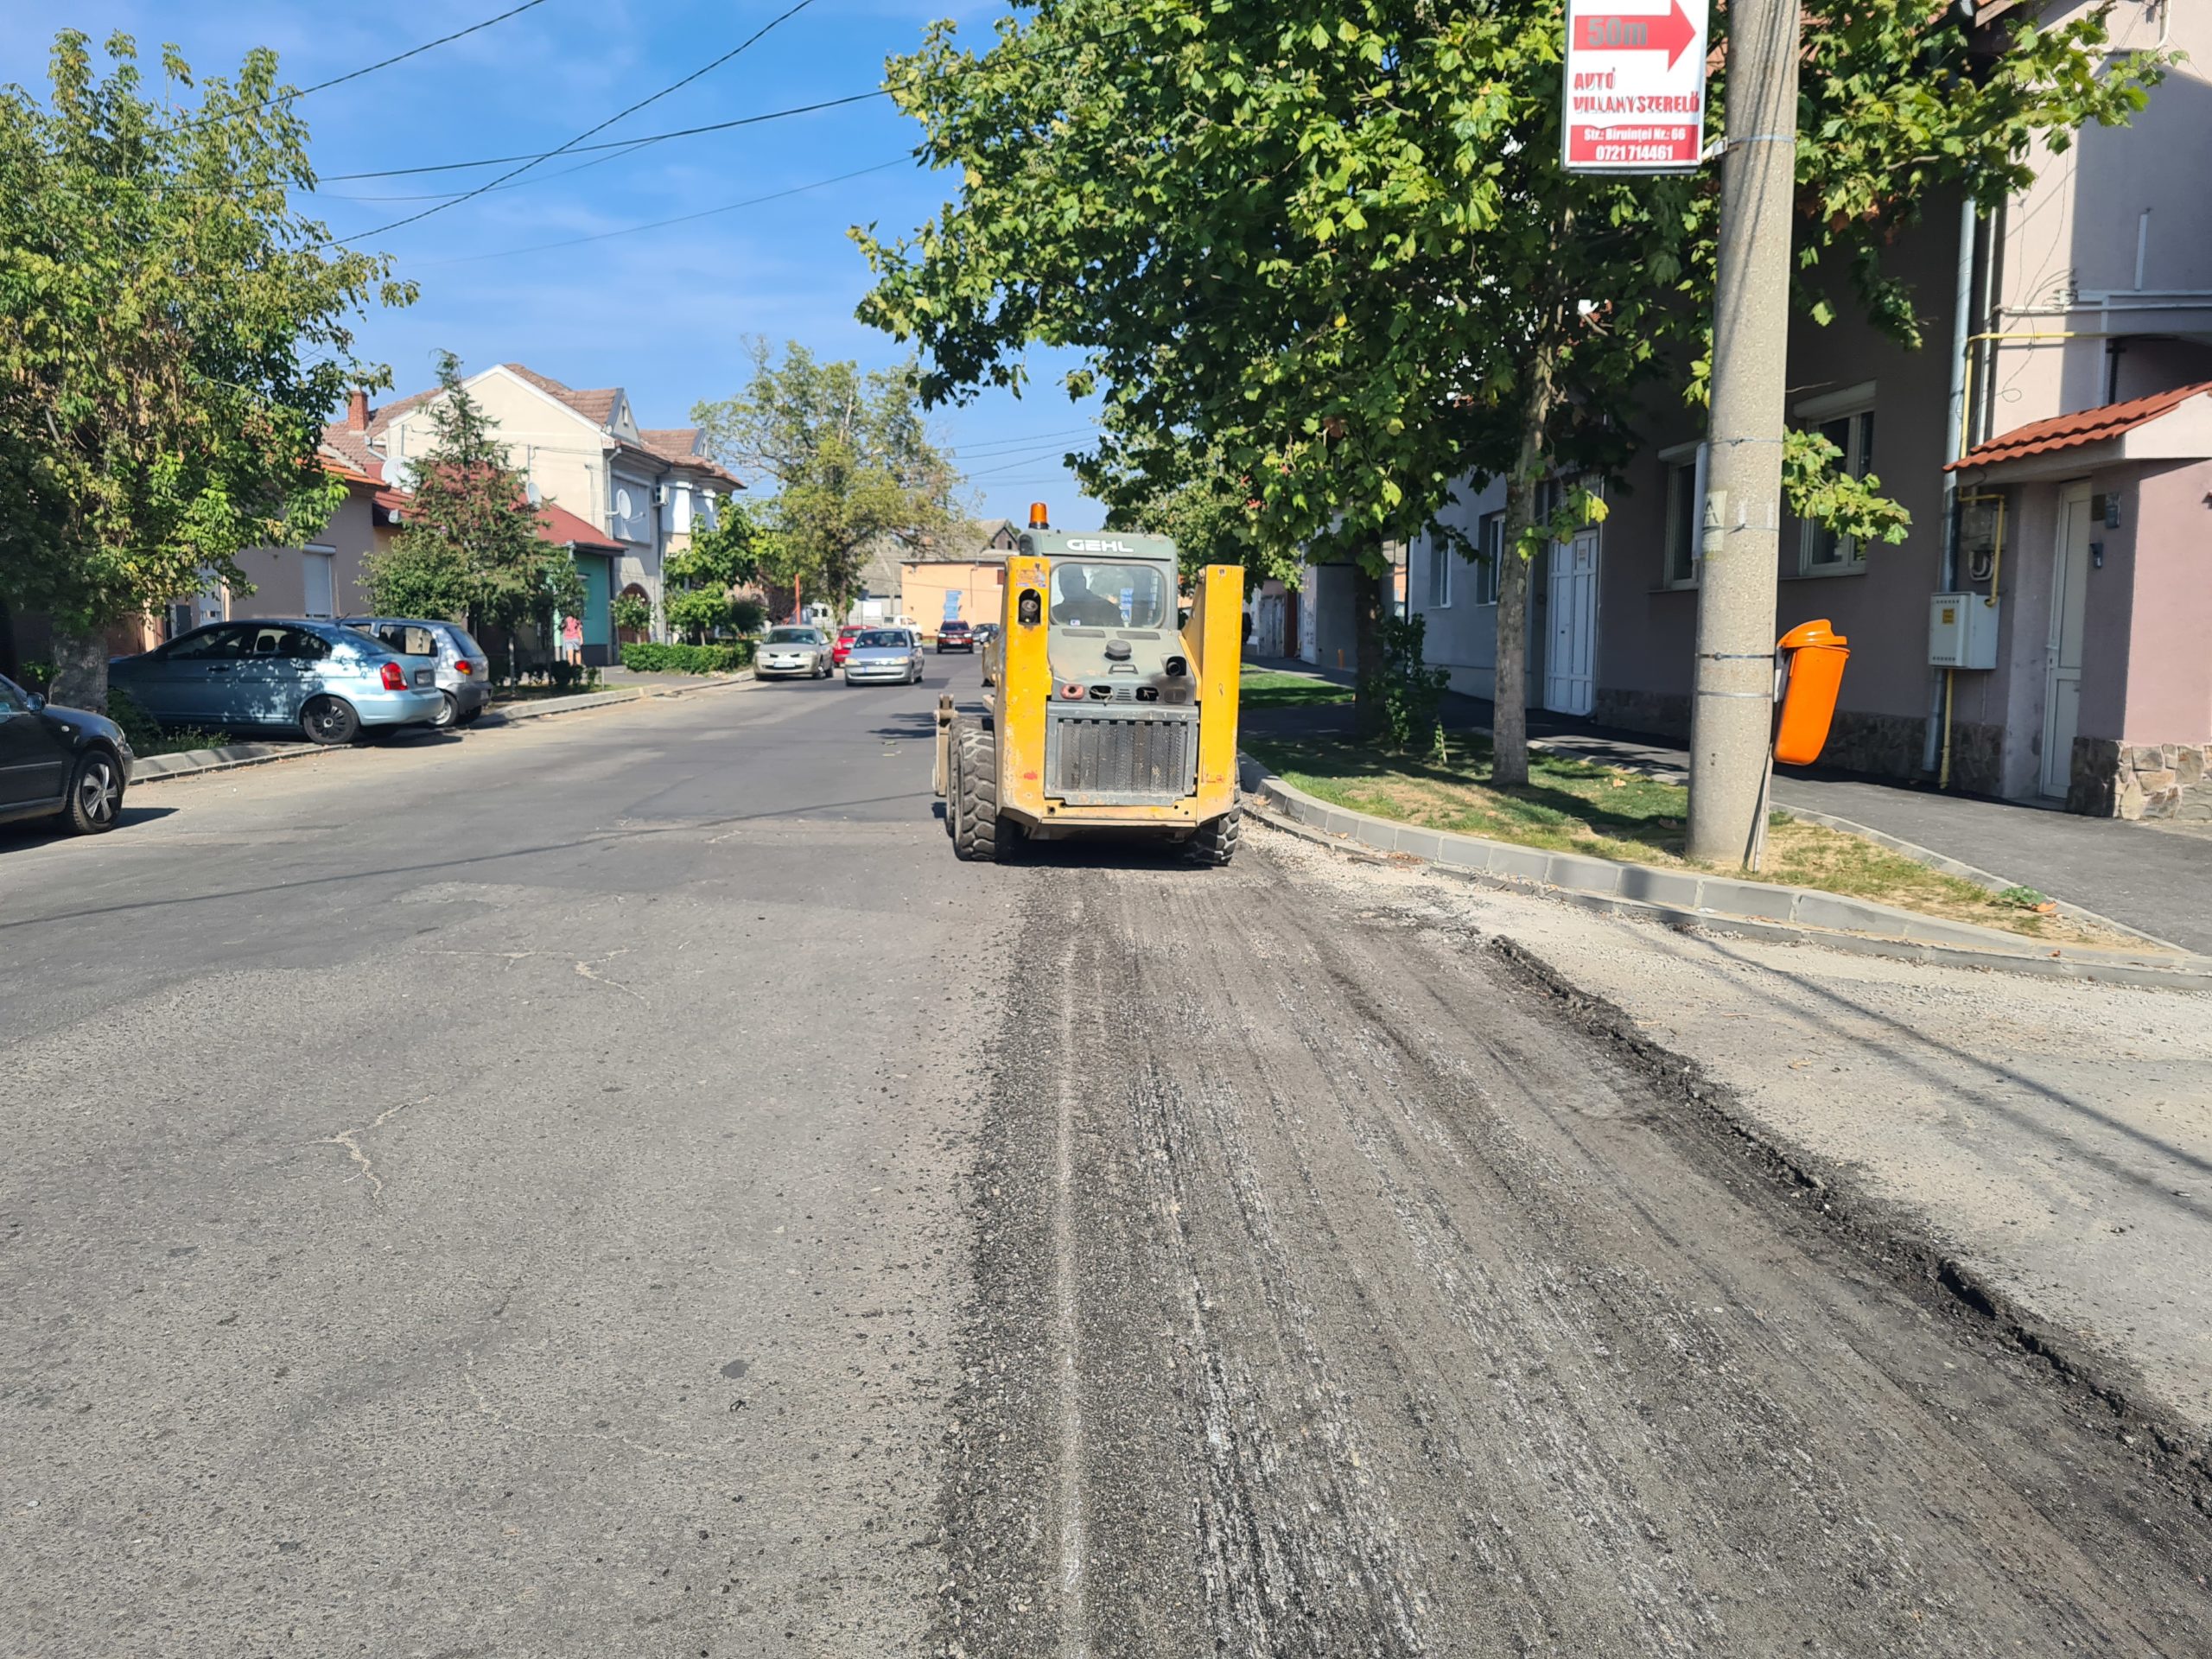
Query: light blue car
327,682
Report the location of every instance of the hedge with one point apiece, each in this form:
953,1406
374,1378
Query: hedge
686,659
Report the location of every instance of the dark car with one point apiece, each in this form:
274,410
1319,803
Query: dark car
954,636
64,764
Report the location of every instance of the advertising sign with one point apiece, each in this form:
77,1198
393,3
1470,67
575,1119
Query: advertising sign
1634,86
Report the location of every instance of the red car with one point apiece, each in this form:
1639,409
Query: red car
955,635
843,648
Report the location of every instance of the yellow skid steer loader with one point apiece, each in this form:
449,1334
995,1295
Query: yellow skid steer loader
1109,710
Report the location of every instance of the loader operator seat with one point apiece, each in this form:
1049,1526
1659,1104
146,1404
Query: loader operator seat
1080,607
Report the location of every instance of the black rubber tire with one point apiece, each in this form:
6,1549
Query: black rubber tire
980,835
448,712
330,721
95,794
1216,842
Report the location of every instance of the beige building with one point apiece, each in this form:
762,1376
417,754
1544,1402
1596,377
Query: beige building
960,574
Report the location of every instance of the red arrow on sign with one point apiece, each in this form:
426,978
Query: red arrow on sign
1614,31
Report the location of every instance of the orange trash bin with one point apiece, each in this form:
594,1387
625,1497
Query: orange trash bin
1817,654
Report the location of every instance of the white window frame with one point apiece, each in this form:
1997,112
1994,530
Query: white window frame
320,550
1847,405
1684,467
1440,560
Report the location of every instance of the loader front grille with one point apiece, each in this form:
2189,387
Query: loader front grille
1093,758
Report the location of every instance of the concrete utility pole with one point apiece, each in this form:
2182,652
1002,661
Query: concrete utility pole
1731,714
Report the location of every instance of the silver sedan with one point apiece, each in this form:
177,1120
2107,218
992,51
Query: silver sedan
885,657
792,651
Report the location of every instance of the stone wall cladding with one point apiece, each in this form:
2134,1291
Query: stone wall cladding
1885,746
1978,757
1663,713
2109,779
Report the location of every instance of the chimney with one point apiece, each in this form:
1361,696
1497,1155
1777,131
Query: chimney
357,411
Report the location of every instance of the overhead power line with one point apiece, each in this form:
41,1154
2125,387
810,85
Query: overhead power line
612,143
658,224
386,63
589,132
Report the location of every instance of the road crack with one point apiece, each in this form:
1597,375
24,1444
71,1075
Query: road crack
345,1138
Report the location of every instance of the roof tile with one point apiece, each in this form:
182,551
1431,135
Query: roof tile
2083,427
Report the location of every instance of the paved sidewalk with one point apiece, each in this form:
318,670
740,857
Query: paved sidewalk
2146,879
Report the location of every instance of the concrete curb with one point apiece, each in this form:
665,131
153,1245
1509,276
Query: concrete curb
1715,904
194,763
1671,772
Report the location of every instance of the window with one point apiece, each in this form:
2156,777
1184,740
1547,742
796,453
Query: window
1845,419
1685,465
1440,560
217,644
1489,544
1109,596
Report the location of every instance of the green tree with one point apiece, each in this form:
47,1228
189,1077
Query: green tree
1334,239
172,332
633,612
1179,485
471,544
703,578
846,456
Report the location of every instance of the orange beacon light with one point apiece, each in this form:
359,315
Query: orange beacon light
1816,656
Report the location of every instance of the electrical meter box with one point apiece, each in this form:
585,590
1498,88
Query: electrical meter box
1961,631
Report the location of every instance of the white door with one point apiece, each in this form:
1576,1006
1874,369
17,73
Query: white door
317,583
1570,663
2062,683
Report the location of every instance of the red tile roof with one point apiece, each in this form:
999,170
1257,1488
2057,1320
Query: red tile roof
596,406
2072,431
673,442
352,448
563,529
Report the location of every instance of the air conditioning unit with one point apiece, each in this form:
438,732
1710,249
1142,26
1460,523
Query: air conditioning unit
1961,631
663,494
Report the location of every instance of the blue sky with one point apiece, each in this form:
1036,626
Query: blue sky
665,313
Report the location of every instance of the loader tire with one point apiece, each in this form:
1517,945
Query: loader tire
1215,844
979,835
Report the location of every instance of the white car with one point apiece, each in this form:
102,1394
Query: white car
792,651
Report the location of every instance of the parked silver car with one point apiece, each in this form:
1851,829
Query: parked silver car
792,650
885,655
318,678
464,670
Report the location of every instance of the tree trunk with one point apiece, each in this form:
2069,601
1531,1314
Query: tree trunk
1510,698
1367,646
80,669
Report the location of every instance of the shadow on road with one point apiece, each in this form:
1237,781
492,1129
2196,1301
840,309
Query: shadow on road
39,832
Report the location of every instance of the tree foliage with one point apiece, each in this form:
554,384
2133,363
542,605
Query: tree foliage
470,545
1334,237
1180,484
172,332
846,457
703,578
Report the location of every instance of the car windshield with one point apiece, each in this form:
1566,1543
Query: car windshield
793,637
12,698
955,627
881,639
1109,595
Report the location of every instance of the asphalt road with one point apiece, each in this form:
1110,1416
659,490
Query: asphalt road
620,1187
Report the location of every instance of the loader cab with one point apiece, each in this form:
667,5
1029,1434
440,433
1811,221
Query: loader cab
1109,607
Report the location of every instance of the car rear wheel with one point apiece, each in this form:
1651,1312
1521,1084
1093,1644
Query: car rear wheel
330,721
95,794
449,711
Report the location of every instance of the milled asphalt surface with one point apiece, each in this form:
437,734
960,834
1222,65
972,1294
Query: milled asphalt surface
618,1186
